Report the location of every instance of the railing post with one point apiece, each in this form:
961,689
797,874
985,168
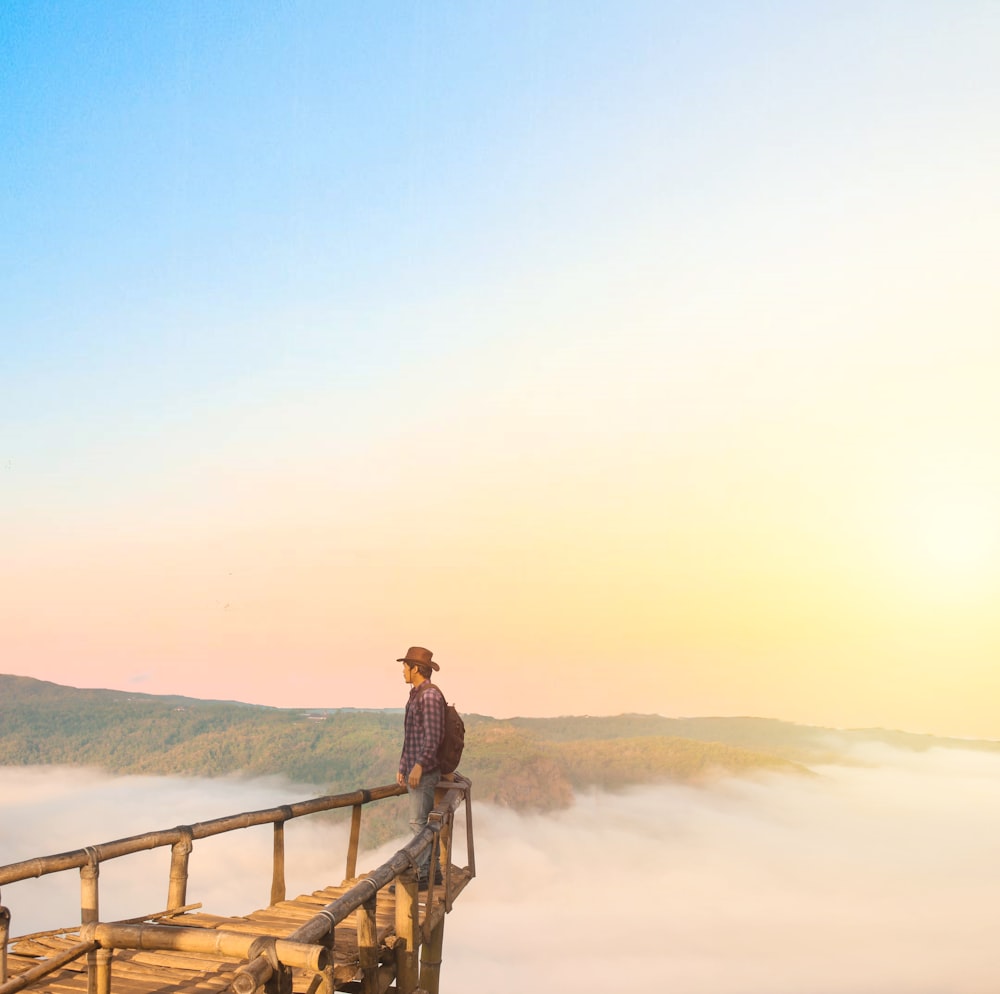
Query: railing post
447,838
90,909
278,870
436,821
4,939
469,843
444,838
328,984
368,947
351,870
407,932
179,853
103,959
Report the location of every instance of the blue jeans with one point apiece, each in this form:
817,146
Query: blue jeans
421,802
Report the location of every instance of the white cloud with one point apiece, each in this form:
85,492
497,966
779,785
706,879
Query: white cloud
46,810
870,879
865,879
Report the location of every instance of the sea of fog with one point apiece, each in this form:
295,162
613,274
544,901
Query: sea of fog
879,877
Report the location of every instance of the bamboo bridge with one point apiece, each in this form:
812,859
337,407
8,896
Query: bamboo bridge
374,932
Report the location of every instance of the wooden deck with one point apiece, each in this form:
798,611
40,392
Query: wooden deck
164,971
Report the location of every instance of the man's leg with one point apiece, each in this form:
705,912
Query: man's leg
421,803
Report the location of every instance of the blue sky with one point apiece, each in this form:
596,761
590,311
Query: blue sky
556,334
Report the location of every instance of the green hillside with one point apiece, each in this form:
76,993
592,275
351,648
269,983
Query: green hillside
46,723
528,764
534,765
805,744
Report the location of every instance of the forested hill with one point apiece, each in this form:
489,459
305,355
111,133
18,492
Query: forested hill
527,764
806,744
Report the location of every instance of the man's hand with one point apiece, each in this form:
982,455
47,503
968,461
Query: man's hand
415,774
400,779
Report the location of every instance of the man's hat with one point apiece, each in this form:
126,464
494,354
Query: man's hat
415,654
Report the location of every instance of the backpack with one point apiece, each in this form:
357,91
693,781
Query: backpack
450,751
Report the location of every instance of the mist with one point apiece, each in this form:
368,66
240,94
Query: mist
876,878
49,809
879,876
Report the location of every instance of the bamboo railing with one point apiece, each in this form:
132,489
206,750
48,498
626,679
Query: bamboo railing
268,960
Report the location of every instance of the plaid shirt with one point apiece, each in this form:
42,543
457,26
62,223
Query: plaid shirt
423,728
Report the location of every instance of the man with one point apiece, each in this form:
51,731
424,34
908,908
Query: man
423,730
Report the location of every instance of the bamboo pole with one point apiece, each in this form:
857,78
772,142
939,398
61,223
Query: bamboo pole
436,822
368,947
280,981
386,975
89,909
159,916
227,945
463,784
430,959
469,841
407,932
249,977
325,982
267,957
46,967
103,957
89,896
351,870
4,939
40,866
179,857
432,917
444,839
263,967
278,864
336,911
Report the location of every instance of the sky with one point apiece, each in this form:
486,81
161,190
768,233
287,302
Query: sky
631,356
873,877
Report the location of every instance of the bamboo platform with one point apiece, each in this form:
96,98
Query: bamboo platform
168,971
372,933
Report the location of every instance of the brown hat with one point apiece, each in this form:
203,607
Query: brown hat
415,654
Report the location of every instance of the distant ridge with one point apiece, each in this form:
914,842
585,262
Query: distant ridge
13,687
535,764
803,743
